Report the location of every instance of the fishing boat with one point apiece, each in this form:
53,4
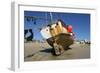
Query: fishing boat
59,36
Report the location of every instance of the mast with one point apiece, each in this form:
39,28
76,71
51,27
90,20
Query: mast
51,18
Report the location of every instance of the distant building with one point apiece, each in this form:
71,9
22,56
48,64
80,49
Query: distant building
82,42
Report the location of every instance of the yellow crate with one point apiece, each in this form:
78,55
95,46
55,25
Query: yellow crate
56,29
53,30
59,27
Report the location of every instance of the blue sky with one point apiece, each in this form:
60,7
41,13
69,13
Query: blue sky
79,21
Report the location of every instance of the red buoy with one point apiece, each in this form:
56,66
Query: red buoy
69,28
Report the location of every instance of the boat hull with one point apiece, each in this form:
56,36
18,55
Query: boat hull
65,40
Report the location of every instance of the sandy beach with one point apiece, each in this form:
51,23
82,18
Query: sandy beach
41,51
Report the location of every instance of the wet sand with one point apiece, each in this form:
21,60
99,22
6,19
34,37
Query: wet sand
35,51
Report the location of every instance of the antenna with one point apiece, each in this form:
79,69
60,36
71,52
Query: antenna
46,18
51,18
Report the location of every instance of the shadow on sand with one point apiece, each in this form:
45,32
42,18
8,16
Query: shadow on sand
49,50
